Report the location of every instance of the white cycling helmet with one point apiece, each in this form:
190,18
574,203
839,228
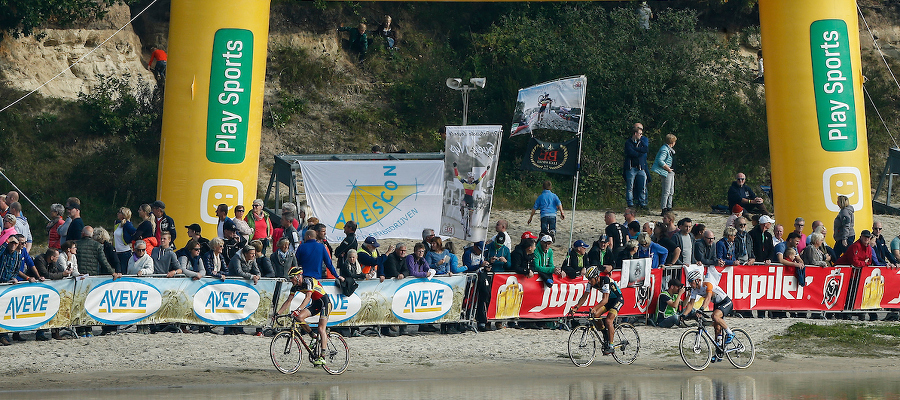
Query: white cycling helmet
694,276
592,273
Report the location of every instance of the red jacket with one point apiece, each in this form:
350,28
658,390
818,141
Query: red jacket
857,255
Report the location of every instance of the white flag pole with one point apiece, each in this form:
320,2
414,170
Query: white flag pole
578,164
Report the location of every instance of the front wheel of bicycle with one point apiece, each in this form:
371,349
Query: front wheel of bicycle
740,351
582,346
337,355
695,349
627,344
286,352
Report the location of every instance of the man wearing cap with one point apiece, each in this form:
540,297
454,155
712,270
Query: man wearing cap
858,253
473,257
736,212
497,255
549,205
368,255
543,261
73,205
193,232
600,254
164,223
312,254
233,242
740,193
575,263
762,239
349,243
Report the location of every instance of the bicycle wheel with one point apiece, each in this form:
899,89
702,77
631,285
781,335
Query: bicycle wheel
627,344
695,349
337,356
740,351
286,352
582,346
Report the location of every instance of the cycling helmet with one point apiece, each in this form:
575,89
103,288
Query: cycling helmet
592,273
694,276
298,270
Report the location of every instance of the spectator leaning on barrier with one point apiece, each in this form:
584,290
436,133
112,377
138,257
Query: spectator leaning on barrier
369,258
140,262
46,268
245,265
91,258
68,259
498,256
192,264
762,239
351,267
881,248
667,305
576,261
600,254
725,247
473,257
417,264
743,243
814,253
653,251
216,266
543,261
741,194
438,257
164,259
395,264
705,248
523,258
282,258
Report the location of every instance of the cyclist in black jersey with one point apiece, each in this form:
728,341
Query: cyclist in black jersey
610,303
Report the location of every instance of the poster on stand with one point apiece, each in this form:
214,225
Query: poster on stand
470,169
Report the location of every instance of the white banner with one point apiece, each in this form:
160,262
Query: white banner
635,273
387,199
470,166
557,105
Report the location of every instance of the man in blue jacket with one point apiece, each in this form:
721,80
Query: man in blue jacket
634,168
311,255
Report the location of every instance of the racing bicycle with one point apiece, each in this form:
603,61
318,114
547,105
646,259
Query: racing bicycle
697,345
287,347
584,340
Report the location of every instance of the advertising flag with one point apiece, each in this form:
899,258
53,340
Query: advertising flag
470,167
557,158
557,105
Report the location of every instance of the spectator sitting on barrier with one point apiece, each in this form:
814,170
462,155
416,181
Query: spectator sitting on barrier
762,239
438,257
662,237
858,253
139,263
725,247
348,243
497,255
576,263
616,232
417,264
395,264
312,255
634,228
245,266
629,252
369,258
600,254
653,251
233,242
109,251
192,264
455,266
705,248
814,253
667,305
262,262
543,261
740,193
91,259
472,257
743,243
215,263
881,248
282,258
523,258
164,259
843,226
736,212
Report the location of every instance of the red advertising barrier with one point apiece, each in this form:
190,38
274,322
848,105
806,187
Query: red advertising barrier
517,296
774,287
879,287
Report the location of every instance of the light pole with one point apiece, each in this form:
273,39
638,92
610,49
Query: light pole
456,84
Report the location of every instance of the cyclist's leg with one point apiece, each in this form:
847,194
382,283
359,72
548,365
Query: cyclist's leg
323,323
719,321
596,312
610,325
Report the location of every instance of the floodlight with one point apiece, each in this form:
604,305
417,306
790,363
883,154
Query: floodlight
478,82
454,83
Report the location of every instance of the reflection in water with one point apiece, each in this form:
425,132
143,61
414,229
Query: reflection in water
730,385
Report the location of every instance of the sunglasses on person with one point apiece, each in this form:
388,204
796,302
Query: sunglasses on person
140,250
195,249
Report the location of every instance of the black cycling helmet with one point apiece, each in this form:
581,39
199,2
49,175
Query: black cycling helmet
298,270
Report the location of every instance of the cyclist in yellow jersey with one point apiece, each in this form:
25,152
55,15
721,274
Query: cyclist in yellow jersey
469,185
315,302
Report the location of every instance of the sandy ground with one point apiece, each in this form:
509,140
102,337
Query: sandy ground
130,359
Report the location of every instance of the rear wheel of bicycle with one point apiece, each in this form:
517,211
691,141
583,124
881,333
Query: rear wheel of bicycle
582,346
627,344
695,349
286,352
337,355
740,351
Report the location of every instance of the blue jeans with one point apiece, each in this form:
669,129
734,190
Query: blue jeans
548,224
636,184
